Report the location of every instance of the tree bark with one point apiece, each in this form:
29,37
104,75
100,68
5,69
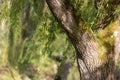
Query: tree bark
63,71
96,59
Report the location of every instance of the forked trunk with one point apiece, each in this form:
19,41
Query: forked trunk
96,54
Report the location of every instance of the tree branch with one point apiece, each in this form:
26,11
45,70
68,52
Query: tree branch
63,11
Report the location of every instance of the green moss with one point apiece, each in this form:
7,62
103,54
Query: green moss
105,40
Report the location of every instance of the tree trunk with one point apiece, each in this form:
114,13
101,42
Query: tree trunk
63,70
96,55
96,59
92,64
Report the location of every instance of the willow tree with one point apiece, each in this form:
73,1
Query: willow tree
87,25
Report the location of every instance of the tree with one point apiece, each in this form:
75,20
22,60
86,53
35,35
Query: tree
89,24
96,43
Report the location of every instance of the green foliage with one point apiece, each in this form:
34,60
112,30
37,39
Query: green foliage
4,23
44,34
93,12
117,11
87,10
36,48
43,28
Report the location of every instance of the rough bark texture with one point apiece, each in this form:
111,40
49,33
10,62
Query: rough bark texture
117,49
90,66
